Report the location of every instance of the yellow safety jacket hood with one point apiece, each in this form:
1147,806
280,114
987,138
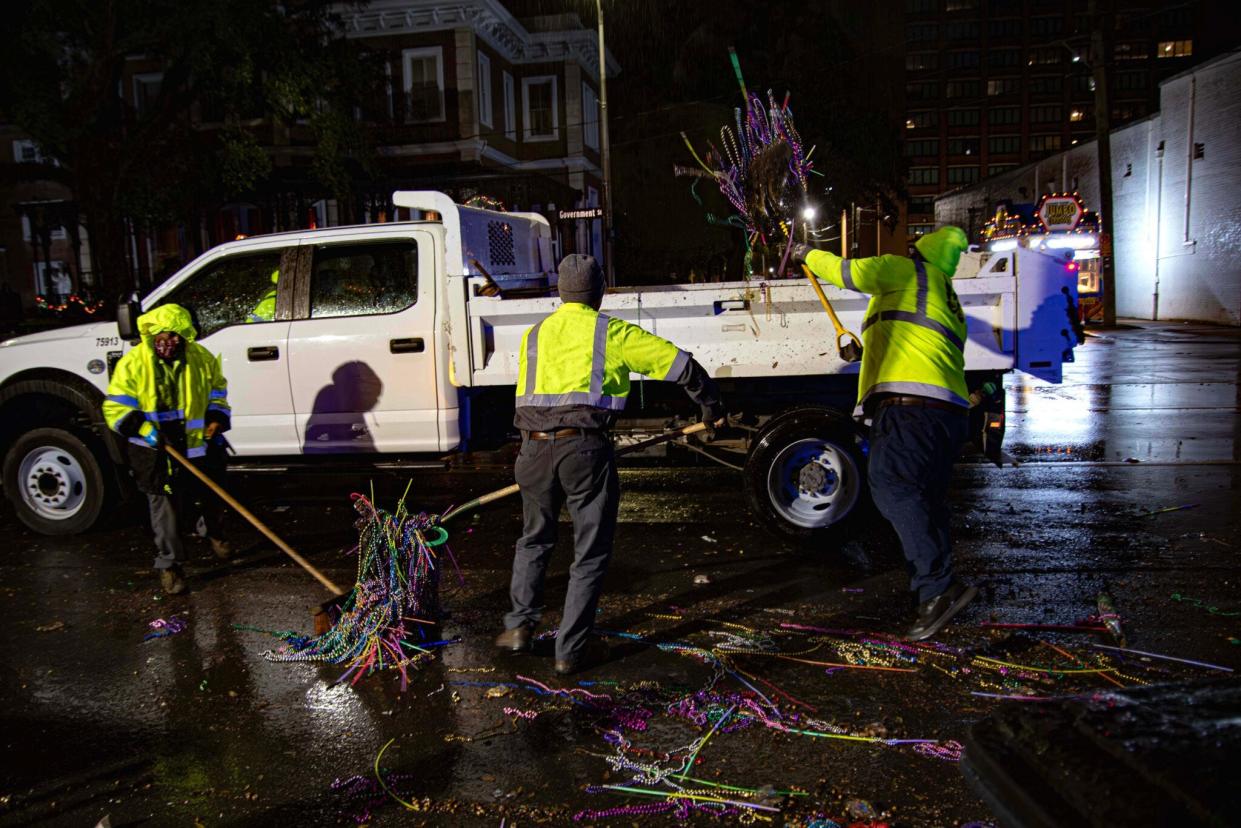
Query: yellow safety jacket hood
943,248
172,318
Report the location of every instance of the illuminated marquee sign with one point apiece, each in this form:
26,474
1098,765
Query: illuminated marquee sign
1060,212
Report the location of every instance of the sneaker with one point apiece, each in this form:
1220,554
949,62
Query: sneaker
172,579
938,611
517,639
222,548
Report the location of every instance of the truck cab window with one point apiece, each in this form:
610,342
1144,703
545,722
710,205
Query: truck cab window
233,291
363,279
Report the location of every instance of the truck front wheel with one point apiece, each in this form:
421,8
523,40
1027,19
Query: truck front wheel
54,481
805,476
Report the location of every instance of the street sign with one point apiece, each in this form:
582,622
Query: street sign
581,213
1061,212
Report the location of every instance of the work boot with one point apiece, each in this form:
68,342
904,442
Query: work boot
935,613
222,548
517,639
593,653
172,579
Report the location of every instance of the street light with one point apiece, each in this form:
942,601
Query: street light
605,153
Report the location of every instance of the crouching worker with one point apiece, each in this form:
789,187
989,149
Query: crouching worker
169,390
572,381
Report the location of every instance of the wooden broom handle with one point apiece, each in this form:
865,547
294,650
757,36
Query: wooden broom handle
255,522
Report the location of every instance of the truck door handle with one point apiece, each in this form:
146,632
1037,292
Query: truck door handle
264,353
407,346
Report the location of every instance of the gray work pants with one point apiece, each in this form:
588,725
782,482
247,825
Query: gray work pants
189,497
578,471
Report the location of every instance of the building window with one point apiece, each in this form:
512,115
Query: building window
962,89
1129,51
963,146
1048,85
1004,115
1045,114
1046,25
1044,143
962,30
920,229
922,205
1046,55
510,106
27,152
962,5
484,90
924,175
921,32
963,60
1002,86
1078,114
1175,49
919,61
540,108
921,120
146,90
962,175
1001,58
927,146
423,84
921,6
1004,144
963,117
1083,83
590,117
996,169
1004,28
1130,81
922,91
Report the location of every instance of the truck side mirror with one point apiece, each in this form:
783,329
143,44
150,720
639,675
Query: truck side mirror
127,312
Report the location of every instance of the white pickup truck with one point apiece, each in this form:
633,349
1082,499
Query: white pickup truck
384,342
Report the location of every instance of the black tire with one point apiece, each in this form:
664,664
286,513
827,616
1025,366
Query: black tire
55,481
805,476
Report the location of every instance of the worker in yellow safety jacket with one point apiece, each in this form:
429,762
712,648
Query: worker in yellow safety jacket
572,382
169,390
265,310
912,387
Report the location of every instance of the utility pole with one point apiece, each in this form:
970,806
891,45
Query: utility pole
1100,55
605,153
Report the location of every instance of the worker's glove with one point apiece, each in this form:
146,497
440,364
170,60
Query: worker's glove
799,252
152,439
712,413
211,430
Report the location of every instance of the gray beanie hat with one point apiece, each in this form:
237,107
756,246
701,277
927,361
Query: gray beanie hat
581,279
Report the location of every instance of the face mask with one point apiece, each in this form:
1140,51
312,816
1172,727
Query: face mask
167,346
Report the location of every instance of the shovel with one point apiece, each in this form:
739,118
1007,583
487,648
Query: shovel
850,351
325,610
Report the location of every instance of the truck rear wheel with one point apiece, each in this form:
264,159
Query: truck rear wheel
805,476
54,481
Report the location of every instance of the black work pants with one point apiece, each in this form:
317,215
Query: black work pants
579,471
190,503
912,450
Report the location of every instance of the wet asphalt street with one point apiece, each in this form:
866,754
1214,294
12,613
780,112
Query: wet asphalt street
198,728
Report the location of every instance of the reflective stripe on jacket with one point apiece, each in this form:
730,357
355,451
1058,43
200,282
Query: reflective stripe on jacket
578,356
135,379
914,333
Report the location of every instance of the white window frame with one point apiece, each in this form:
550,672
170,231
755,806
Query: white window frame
484,90
19,148
526,83
141,78
408,56
590,116
510,106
